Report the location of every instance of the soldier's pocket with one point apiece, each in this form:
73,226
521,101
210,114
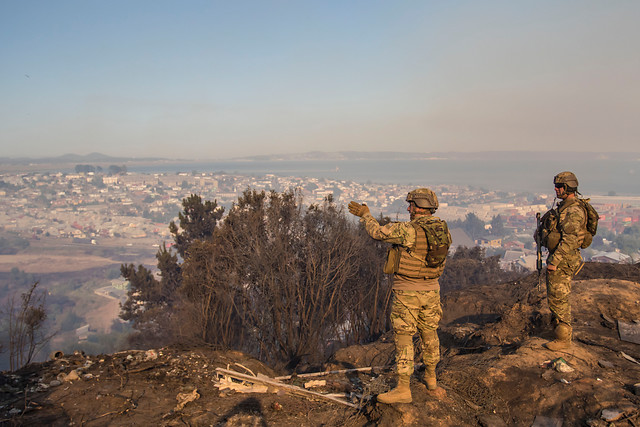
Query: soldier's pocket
393,260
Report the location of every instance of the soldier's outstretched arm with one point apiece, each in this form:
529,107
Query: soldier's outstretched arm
358,209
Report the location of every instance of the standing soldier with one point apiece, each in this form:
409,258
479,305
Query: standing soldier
562,231
416,260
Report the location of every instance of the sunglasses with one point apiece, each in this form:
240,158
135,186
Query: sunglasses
559,185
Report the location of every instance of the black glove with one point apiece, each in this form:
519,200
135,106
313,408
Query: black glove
357,209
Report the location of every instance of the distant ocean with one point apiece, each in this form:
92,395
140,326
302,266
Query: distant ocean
597,177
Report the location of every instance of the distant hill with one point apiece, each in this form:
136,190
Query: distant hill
451,155
341,155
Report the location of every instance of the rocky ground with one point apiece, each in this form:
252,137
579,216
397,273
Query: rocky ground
494,371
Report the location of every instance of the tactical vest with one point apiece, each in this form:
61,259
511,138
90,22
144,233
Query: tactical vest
550,223
411,262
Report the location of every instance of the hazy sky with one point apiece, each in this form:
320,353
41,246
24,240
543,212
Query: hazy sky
217,79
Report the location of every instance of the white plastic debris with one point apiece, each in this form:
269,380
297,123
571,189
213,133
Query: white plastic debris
315,383
150,355
184,398
227,383
611,414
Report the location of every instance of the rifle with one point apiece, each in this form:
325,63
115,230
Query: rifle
538,247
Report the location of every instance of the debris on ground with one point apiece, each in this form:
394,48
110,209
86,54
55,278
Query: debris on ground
494,371
629,331
184,398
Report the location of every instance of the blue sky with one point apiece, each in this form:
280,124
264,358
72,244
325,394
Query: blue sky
219,79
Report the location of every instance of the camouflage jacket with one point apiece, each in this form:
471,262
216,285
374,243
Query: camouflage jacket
571,222
404,234
398,233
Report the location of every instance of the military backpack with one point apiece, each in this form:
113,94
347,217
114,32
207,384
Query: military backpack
438,241
550,234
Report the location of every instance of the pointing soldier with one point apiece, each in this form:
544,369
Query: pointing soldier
416,260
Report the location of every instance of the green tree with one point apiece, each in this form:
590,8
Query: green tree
69,321
629,240
117,170
473,226
471,266
85,168
151,302
497,226
197,222
97,182
144,306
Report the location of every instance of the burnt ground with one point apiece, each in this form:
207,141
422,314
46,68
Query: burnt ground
494,371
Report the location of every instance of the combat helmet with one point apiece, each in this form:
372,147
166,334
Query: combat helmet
567,178
423,198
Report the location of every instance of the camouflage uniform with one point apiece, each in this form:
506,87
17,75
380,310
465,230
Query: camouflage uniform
416,301
566,258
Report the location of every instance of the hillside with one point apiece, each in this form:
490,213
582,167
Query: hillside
494,371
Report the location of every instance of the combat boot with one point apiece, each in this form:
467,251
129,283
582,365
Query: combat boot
563,338
429,377
400,394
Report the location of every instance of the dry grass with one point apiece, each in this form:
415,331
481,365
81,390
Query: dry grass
40,264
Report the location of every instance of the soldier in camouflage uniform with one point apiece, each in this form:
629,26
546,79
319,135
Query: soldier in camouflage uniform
416,291
564,260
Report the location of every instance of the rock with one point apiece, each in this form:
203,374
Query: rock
491,420
561,365
542,421
636,389
606,364
72,376
55,383
607,321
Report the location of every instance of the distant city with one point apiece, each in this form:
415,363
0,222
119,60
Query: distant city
73,229
99,207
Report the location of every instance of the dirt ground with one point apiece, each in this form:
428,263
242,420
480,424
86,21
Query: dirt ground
51,255
35,263
494,371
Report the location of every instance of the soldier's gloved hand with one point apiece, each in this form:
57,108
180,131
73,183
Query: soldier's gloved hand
357,209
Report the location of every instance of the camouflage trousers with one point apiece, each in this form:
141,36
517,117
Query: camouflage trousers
413,311
559,288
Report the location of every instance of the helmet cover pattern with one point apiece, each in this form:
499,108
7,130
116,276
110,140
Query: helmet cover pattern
567,178
423,198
